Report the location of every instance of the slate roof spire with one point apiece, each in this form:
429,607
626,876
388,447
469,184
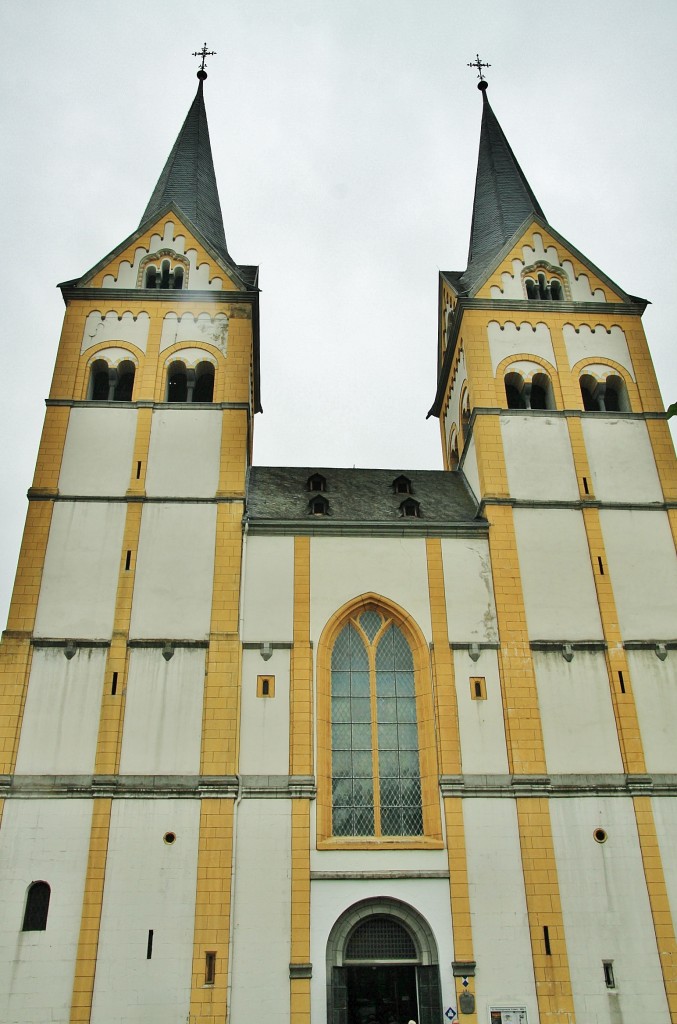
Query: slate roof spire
503,196
188,178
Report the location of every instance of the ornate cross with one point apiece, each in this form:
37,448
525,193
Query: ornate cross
204,52
477,63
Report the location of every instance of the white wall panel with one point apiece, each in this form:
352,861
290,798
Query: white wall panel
262,911
469,592
642,564
606,912
114,327
174,572
343,568
97,455
163,713
621,460
557,581
577,717
264,729
482,730
268,589
149,885
80,575
598,344
515,339
210,331
470,469
41,840
653,686
498,908
61,716
538,458
184,453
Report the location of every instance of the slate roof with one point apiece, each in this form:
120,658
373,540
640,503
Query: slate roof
188,178
280,494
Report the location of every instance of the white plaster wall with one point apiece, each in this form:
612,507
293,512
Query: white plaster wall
342,568
149,885
606,912
510,339
113,326
500,927
653,686
61,716
598,343
538,458
41,840
97,455
268,589
577,717
174,572
643,568
264,728
184,453
262,911
470,468
330,899
211,330
511,288
557,582
665,818
483,750
621,460
469,592
163,712
80,575
173,237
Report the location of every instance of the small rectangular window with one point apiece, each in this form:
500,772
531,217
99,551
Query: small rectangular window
546,940
149,946
128,561
621,682
265,686
138,471
600,563
609,979
210,968
586,489
478,688
114,685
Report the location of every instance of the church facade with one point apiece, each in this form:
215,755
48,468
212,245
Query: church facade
343,746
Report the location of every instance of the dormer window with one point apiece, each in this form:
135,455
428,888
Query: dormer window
402,485
410,508
317,482
318,506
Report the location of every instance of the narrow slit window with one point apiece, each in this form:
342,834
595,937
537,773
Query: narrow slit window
138,471
478,688
546,940
210,968
608,968
128,561
265,686
114,685
621,682
586,489
149,944
600,563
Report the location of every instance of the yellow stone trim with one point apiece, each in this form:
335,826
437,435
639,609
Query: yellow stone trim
490,456
235,452
446,705
625,711
543,363
578,371
299,988
144,421
519,694
580,455
459,889
544,909
664,454
16,655
301,684
24,604
429,768
208,1003
645,372
90,921
50,452
221,710
658,899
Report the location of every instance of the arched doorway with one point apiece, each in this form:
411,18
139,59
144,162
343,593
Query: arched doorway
382,966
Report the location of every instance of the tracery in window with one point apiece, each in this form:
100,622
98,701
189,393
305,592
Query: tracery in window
375,764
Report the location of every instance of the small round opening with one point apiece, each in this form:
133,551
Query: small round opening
600,835
169,838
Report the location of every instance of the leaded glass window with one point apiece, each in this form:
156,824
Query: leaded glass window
376,781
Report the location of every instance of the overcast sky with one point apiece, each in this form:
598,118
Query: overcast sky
345,142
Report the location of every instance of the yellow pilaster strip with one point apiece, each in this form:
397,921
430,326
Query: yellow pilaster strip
137,483
446,707
645,373
300,763
664,454
541,885
15,668
26,592
459,890
212,911
233,465
658,899
90,922
580,454
50,452
625,711
490,456
220,740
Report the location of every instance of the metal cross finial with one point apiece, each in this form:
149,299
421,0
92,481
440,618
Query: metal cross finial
477,63
204,52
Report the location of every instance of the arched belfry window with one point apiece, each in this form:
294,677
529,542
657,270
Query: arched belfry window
111,383
375,764
37,907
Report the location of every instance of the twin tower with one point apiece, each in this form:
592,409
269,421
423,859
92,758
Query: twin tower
343,746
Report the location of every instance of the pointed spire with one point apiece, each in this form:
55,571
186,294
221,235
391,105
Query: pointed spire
188,178
503,196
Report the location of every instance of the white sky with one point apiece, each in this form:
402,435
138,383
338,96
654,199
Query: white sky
345,142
